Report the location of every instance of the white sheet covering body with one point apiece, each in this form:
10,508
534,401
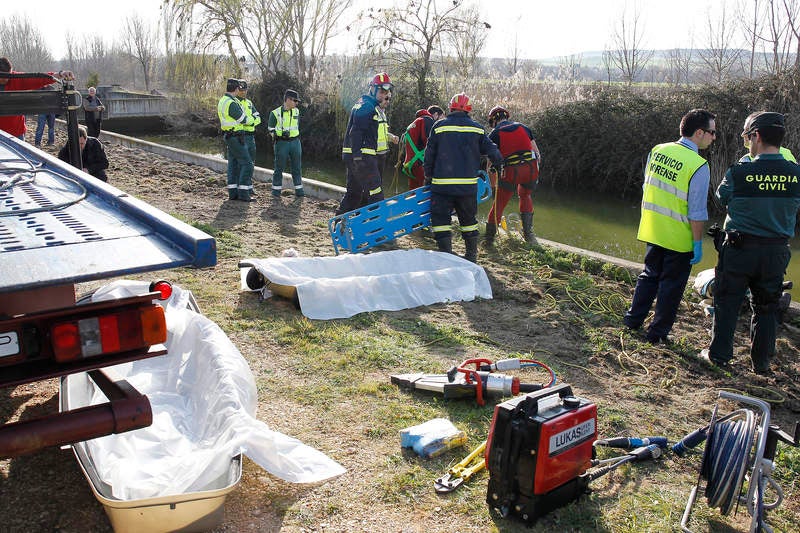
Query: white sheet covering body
345,285
203,397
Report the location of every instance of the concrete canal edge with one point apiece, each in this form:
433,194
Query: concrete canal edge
317,189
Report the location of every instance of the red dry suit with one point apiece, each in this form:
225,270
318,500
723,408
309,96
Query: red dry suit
414,140
520,168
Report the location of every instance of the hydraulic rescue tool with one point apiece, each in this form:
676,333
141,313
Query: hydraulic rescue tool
464,381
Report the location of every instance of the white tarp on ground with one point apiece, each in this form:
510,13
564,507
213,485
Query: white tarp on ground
203,398
345,285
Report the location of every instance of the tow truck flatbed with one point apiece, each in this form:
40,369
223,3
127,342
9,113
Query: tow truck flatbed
59,225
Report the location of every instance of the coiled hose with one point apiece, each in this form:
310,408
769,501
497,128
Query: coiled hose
726,458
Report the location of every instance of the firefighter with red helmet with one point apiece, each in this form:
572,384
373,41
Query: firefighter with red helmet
414,140
520,172
360,147
452,162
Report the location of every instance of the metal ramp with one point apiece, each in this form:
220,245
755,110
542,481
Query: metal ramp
59,225
375,224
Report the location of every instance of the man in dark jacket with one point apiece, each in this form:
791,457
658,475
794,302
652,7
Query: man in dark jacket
762,197
452,161
93,155
360,147
93,113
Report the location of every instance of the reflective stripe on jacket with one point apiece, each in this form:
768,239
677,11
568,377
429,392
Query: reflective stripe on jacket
665,199
252,114
286,120
453,154
226,112
361,134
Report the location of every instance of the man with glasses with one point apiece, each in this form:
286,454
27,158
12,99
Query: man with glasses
762,197
674,209
360,147
284,126
746,158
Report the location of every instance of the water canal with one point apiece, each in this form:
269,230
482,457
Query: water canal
601,224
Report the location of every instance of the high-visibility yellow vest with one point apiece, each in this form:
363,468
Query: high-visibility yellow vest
788,155
253,116
665,200
226,121
286,120
382,145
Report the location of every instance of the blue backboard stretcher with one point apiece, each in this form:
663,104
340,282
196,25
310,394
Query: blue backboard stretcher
59,225
381,222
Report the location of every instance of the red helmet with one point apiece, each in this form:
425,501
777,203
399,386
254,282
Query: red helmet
382,81
460,102
497,114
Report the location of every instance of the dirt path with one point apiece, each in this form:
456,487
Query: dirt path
47,492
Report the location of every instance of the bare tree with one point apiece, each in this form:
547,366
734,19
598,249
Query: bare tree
792,10
467,45
139,39
569,67
407,35
24,44
777,36
512,61
627,53
751,17
608,64
314,23
720,56
679,62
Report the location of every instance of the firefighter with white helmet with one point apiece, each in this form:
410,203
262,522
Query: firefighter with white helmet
452,162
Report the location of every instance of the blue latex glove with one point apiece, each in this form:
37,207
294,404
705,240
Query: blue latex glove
698,252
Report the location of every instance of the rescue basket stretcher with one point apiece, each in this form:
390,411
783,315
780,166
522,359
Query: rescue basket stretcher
381,222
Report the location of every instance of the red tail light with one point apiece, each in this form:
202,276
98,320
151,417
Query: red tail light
121,331
162,287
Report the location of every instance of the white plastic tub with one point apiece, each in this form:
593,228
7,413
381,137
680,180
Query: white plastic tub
188,512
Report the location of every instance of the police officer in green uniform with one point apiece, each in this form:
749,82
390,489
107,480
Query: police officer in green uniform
253,120
233,119
674,209
762,197
284,126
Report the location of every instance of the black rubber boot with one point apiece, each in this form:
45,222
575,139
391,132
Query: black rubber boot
471,244
527,229
445,243
491,233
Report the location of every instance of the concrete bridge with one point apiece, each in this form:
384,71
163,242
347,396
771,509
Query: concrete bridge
122,103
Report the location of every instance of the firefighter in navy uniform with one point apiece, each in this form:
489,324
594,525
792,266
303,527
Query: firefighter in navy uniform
359,148
452,161
520,172
762,197
232,119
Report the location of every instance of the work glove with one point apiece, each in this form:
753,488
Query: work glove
698,252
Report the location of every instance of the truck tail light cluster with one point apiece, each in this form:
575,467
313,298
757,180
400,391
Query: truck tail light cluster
113,332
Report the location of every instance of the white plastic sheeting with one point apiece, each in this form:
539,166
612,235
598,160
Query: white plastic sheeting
203,398
345,285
